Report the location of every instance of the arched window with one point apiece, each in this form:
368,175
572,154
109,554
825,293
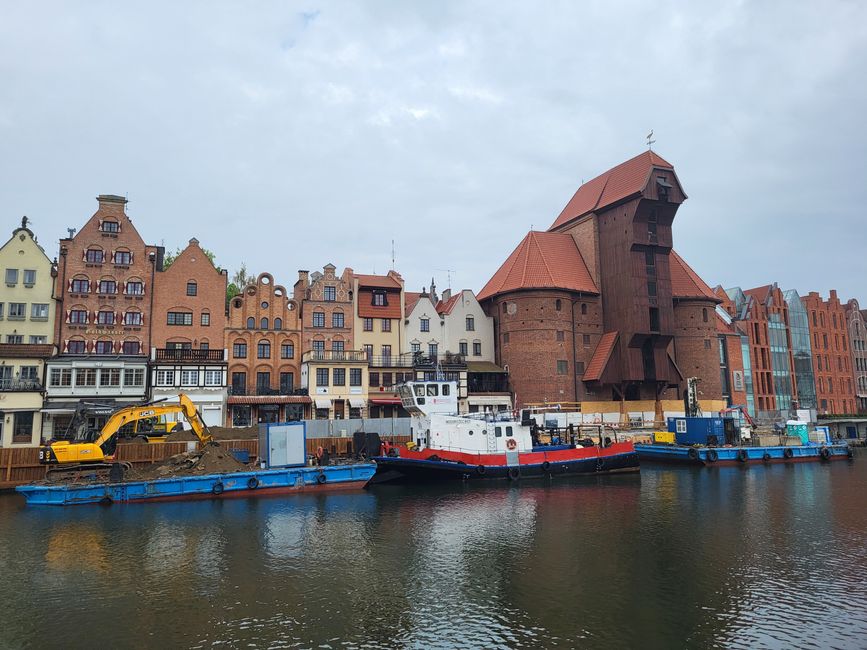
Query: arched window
263,349
278,323
132,317
558,304
263,324
318,319
583,308
122,256
107,286
192,288
251,323
94,255
79,284
704,314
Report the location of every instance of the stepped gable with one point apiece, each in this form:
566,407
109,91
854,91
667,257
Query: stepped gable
543,260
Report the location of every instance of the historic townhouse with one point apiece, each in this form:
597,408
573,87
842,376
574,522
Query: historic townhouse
832,358
105,293
263,338
378,332
26,336
188,351
333,371
599,310
857,324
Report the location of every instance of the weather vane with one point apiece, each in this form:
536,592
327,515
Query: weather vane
649,141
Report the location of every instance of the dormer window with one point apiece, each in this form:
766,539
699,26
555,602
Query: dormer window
663,188
110,226
379,299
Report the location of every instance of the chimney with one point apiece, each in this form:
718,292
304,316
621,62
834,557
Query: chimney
304,277
833,295
446,295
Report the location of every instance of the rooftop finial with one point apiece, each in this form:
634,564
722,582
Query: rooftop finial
650,141
24,221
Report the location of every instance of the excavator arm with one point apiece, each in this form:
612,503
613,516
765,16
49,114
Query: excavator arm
132,413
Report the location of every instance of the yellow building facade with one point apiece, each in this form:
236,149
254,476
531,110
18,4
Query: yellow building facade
27,317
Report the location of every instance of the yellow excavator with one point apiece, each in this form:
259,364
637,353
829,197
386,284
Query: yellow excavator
95,449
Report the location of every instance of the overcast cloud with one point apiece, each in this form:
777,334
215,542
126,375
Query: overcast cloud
289,135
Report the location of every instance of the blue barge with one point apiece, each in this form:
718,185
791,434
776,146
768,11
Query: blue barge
270,482
708,456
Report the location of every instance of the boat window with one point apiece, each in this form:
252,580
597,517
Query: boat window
419,390
419,400
432,390
498,432
484,432
508,432
471,432
446,389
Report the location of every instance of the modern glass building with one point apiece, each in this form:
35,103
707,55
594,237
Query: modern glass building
799,326
748,375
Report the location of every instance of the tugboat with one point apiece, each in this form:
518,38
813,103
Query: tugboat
449,446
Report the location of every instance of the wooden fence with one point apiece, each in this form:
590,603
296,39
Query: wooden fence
20,465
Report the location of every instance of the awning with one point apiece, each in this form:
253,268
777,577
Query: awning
384,401
356,403
322,402
268,399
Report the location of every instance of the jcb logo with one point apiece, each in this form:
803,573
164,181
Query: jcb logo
145,414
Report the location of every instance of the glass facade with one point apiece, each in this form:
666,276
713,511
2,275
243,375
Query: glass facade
779,342
799,326
748,374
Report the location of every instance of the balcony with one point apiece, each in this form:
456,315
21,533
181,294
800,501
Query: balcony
20,385
353,356
446,360
188,355
392,361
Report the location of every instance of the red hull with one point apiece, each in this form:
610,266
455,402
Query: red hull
524,458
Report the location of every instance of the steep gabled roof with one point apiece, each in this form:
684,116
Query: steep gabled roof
761,294
600,357
685,282
377,281
616,184
543,260
410,298
446,306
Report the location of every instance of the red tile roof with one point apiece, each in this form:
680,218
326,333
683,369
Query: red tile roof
600,357
616,184
366,308
26,350
760,293
543,260
685,282
377,281
446,307
410,298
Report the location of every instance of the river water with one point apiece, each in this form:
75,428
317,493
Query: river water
726,557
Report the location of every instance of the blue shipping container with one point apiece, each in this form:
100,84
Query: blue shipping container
697,431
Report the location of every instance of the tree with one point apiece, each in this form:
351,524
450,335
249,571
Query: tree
239,280
169,257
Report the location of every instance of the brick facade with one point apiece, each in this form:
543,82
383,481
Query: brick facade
696,345
320,313
857,325
832,358
190,286
105,285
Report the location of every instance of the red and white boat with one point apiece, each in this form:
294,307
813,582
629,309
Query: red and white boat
447,445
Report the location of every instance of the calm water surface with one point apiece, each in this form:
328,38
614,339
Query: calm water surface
766,557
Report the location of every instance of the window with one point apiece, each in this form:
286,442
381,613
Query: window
239,383
379,299
287,351
251,323
337,346
387,380
11,276
38,340
561,335
104,347
22,427
179,318
131,347
15,338
318,319
205,319
17,310
506,337
110,226
477,348
264,304
192,289
340,376
38,311
189,377
651,288
579,367
287,382
1,309
651,233
654,319
386,324
239,350
368,351
319,346
386,353
165,378
107,286
424,325
29,277
263,324
213,377
415,347
123,258
562,367
330,294
278,324
374,379
707,344
204,345
132,318
263,382
471,324
367,324
263,350
337,319
432,390
446,390
680,426
105,317
432,350
133,377
80,285
583,308
76,346
94,256
462,348
109,377
355,376
85,377
704,314
135,288
322,376
825,341
60,377
558,304
585,340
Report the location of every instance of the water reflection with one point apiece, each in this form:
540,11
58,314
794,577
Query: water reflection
670,558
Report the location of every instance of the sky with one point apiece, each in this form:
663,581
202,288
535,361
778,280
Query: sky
289,135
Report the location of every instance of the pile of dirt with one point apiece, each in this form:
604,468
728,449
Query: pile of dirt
218,433
212,459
